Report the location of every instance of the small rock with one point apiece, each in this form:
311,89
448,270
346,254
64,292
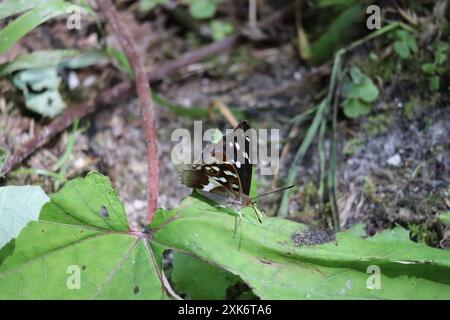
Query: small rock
395,160
139,204
73,80
80,163
89,81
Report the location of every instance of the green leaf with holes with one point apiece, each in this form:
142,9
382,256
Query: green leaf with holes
281,259
80,248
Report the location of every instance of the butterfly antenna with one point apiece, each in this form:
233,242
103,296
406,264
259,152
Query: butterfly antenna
270,192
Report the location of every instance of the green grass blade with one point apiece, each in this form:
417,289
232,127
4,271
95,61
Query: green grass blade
192,112
310,134
19,27
68,58
41,172
18,6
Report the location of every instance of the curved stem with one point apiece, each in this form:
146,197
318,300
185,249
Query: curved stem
144,93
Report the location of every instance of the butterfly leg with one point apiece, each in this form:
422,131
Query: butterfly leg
238,222
258,213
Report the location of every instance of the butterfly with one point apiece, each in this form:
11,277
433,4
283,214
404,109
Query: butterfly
224,172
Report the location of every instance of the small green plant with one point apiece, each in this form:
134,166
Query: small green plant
423,233
378,124
360,93
405,44
438,67
199,10
220,29
412,106
4,154
445,218
353,146
369,187
148,5
203,9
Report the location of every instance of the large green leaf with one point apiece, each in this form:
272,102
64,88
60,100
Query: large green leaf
18,206
82,234
280,259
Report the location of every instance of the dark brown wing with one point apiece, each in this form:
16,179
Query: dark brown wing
217,178
245,171
240,154
225,167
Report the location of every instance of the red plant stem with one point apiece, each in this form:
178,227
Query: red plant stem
143,90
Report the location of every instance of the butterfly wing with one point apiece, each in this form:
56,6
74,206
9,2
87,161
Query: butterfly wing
242,151
225,170
220,179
